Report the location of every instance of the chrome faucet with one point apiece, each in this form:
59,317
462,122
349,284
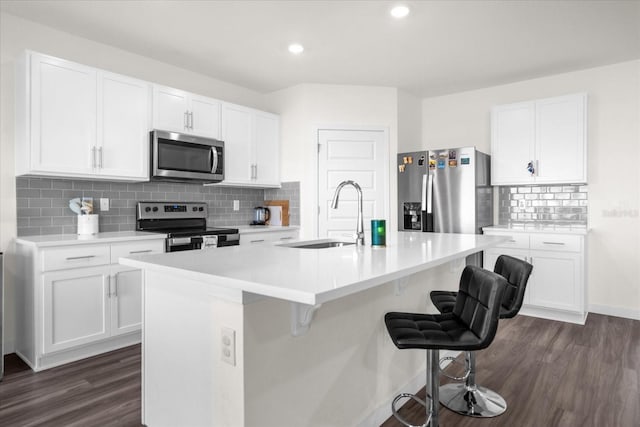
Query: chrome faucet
334,205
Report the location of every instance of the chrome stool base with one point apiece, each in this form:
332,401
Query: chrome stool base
474,401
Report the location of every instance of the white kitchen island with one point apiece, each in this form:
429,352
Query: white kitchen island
342,371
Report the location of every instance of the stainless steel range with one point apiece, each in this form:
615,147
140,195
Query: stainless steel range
185,224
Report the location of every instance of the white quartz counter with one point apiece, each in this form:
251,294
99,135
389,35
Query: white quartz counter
548,229
315,276
74,239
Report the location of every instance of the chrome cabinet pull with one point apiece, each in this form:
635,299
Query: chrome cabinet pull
71,258
554,243
256,166
100,156
512,241
257,241
286,238
186,120
115,285
93,157
141,252
191,120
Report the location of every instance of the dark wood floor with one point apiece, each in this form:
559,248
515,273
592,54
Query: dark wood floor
550,373
556,374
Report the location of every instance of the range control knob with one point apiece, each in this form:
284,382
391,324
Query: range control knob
155,209
200,208
195,209
147,209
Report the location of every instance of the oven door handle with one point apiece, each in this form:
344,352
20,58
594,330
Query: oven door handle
214,154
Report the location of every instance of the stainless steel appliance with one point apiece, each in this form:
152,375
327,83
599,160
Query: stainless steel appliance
185,224
180,157
261,215
445,191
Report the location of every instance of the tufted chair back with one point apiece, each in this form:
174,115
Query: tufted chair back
517,273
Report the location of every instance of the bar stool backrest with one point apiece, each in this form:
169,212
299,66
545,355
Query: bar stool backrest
516,272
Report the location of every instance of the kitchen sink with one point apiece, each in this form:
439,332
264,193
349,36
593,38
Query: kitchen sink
317,244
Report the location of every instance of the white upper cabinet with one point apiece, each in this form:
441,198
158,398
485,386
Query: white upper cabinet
80,122
178,111
540,142
252,146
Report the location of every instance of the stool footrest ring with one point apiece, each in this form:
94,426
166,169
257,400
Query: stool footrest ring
453,360
414,398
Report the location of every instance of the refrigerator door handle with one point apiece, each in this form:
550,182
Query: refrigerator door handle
424,193
430,194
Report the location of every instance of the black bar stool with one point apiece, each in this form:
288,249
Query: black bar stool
471,325
468,398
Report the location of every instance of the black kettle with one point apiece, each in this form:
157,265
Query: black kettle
261,215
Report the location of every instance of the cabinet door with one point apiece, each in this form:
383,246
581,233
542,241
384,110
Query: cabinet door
205,117
561,148
123,128
491,256
63,116
512,143
237,134
126,300
170,107
267,143
76,304
557,280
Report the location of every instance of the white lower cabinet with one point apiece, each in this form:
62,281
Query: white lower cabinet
557,286
270,237
77,301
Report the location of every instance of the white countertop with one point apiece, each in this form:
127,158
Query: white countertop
74,239
536,228
250,229
314,276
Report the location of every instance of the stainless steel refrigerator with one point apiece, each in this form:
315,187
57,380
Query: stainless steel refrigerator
445,191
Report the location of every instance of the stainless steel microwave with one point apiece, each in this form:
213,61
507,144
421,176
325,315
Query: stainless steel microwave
179,157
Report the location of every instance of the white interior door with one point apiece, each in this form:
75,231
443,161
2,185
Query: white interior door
360,156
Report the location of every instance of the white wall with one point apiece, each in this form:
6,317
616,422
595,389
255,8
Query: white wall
613,262
16,35
304,107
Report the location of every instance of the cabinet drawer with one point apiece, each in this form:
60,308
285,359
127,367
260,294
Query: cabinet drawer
119,250
516,240
555,242
74,257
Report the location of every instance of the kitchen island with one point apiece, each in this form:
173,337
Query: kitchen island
276,335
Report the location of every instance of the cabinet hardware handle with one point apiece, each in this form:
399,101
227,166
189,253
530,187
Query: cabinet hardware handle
512,241
100,156
186,120
286,238
256,166
141,252
71,258
191,120
93,157
115,285
257,241
554,243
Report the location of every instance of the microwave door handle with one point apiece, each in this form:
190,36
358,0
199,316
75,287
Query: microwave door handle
214,153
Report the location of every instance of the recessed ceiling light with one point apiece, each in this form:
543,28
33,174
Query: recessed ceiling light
296,48
399,11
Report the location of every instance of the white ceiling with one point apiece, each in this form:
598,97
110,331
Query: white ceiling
441,47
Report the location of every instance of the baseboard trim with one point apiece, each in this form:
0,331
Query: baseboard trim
383,412
627,313
553,314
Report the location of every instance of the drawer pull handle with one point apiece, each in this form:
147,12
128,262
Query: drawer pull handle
512,241
554,243
257,241
286,238
141,252
72,258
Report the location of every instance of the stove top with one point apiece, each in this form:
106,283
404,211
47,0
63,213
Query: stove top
177,219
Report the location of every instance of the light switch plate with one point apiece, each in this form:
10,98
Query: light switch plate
236,205
104,205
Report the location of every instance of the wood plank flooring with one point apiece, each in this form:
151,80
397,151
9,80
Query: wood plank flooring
550,373
555,374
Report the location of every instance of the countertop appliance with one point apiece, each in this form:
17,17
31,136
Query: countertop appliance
186,158
185,224
261,216
445,191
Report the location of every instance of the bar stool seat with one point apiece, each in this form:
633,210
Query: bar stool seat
468,398
471,325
